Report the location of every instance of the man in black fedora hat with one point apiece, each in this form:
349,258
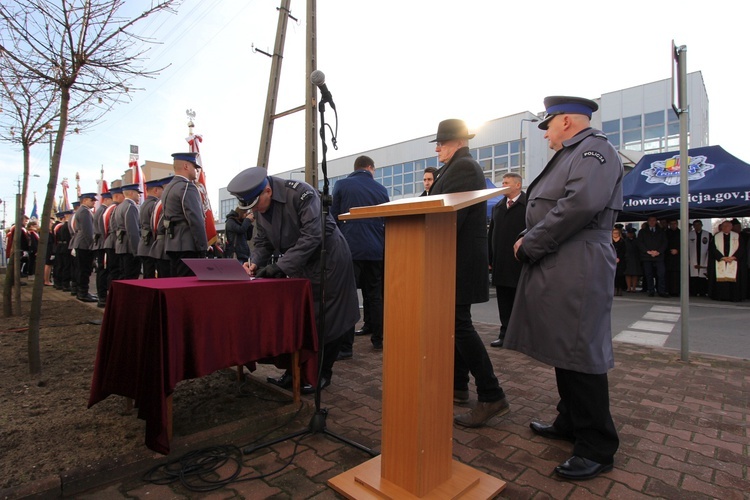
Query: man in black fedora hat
460,172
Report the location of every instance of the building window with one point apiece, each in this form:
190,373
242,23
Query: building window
631,133
226,207
612,129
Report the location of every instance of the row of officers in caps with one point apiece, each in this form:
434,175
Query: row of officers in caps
123,237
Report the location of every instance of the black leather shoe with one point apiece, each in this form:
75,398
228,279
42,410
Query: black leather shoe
87,298
579,468
344,355
363,331
665,295
549,431
377,345
285,381
497,343
310,389
101,304
651,294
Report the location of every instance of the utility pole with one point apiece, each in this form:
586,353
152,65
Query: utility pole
311,117
311,112
273,85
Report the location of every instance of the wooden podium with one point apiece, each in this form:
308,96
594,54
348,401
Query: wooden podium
416,458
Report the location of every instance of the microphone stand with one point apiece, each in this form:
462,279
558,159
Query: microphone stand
318,421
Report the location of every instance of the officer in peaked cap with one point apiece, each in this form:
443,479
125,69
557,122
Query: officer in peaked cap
83,244
288,223
154,188
559,105
568,260
183,219
102,269
125,224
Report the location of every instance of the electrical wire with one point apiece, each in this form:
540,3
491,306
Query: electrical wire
198,470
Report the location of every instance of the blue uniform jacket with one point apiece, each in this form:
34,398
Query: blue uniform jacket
366,237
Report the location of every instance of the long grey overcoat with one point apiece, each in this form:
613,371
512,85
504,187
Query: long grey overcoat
291,227
125,222
183,208
561,315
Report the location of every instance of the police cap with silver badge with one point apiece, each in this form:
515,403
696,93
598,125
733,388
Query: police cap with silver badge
87,195
562,105
248,185
132,187
190,157
165,180
115,190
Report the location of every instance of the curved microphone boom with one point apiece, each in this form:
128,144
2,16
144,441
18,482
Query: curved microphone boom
318,78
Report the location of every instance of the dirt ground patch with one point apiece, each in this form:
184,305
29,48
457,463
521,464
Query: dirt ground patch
45,425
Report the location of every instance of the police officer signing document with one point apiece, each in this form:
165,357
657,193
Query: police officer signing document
288,223
561,315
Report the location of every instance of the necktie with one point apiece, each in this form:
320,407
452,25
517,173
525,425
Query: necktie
510,203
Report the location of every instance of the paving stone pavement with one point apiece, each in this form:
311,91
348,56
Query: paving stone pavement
683,430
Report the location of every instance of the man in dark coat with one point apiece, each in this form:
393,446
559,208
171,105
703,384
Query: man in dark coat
507,223
460,172
288,223
366,239
238,227
652,242
562,313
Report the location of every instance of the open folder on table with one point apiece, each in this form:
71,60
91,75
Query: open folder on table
217,269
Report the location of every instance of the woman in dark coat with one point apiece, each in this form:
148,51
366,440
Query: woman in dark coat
619,243
633,269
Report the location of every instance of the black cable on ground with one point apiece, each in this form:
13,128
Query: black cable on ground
198,470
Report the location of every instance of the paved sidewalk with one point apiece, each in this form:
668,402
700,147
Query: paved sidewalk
683,430
683,427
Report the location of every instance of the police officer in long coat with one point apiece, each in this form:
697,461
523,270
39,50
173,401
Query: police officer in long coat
83,244
561,315
154,188
127,232
102,270
182,215
288,223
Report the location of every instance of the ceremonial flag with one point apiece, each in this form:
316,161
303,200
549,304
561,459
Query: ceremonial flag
194,142
138,178
101,188
65,204
34,214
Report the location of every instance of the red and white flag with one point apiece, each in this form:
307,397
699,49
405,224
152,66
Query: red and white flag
101,188
194,142
138,178
65,205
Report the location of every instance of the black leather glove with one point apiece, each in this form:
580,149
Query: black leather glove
271,271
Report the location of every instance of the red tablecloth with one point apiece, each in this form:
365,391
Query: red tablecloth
157,332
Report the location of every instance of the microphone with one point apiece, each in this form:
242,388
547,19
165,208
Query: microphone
318,78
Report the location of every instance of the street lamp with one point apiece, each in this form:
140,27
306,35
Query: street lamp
520,146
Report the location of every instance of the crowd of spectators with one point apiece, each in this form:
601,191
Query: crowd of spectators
648,259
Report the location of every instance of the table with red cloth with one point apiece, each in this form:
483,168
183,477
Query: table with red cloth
157,332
